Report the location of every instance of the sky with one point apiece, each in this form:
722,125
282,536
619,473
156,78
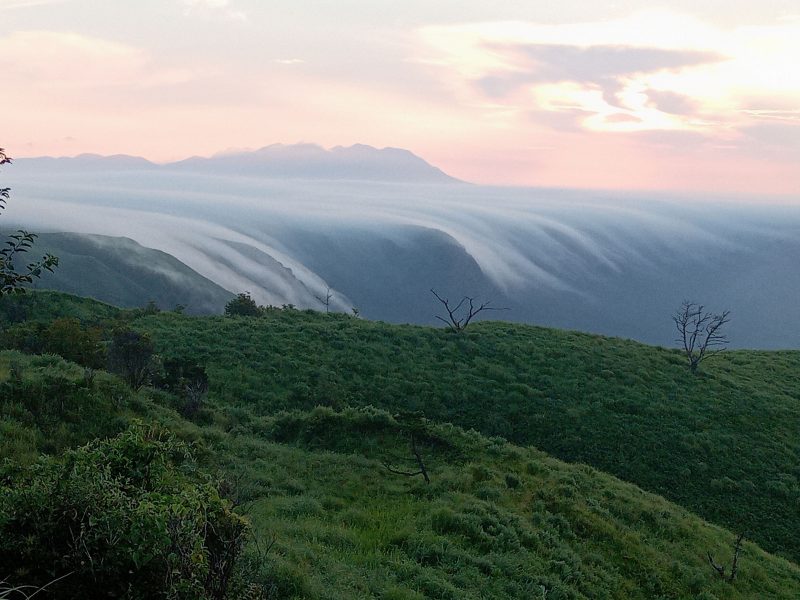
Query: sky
690,95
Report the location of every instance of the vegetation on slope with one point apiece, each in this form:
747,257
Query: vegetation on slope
330,521
125,273
722,443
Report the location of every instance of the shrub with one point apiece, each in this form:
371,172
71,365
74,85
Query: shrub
242,305
188,380
127,517
67,338
130,355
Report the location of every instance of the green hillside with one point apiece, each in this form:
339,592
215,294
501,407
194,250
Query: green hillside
723,444
299,428
124,273
496,521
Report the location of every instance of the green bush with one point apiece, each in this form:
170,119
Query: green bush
242,305
130,355
128,517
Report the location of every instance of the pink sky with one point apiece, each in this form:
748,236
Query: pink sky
617,96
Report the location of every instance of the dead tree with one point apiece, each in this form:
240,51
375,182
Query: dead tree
700,332
720,569
326,302
458,319
195,392
417,459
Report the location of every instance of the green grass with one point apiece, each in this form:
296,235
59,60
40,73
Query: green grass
497,520
46,306
299,421
722,443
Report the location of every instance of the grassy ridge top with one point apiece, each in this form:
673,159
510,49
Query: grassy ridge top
723,443
497,521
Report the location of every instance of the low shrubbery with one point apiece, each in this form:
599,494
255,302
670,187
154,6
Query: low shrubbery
129,517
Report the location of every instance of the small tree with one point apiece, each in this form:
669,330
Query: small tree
699,332
458,319
721,569
242,305
326,301
187,379
130,355
11,280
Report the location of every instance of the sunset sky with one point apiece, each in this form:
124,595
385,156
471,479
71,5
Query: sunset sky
697,95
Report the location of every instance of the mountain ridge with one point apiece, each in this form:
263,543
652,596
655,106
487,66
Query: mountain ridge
291,161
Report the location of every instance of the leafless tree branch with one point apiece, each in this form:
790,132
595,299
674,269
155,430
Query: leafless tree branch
459,322
699,332
417,459
326,301
720,569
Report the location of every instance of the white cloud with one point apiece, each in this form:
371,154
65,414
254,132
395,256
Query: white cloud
613,69
214,8
67,60
14,4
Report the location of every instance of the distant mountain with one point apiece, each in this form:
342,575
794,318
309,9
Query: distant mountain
298,161
121,272
309,161
88,162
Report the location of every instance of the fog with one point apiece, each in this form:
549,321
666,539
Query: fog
598,261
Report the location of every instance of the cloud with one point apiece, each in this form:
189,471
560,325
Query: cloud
214,8
65,59
778,138
791,115
672,102
664,70
622,118
553,63
15,4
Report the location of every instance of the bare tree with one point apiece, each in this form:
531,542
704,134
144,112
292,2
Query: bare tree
460,315
720,569
195,392
326,301
417,459
700,332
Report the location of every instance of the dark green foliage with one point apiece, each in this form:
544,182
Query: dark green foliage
70,340
47,306
48,405
124,273
242,306
130,355
124,518
66,337
187,380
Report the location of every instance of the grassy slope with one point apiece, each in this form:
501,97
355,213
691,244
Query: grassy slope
124,273
723,444
46,306
497,521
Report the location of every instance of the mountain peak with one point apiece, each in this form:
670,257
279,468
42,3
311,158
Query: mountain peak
312,161
359,162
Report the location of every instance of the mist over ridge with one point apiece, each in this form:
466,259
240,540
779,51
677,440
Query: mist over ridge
286,222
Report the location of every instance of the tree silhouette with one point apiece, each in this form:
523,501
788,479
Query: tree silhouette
699,332
11,279
242,306
460,315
